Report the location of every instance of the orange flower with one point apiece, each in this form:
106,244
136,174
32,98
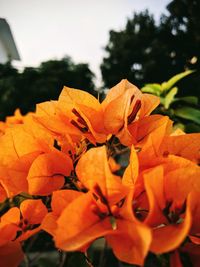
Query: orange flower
57,124
171,231
76,114
123,105
106,210
94,219
85,112
24,221
23,151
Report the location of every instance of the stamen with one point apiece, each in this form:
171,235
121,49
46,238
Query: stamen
80,118
83,130
99,193
134,112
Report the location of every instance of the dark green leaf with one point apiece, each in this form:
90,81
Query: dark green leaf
188,113
188,99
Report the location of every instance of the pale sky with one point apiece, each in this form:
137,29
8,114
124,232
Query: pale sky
51,29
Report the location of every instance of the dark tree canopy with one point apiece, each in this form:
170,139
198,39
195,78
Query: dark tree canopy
146,51
34,85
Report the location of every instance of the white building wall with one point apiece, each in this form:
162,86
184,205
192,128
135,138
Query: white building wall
3,53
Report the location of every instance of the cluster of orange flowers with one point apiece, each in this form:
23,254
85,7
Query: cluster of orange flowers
68,150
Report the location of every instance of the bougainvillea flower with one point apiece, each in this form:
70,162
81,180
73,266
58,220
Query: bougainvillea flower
123,105
33,211
55,122
167,235
18,224
85,113
105,210
9,225
112,222
23,152
23,220
149,134
182,174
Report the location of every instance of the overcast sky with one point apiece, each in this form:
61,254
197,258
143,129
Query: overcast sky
51,29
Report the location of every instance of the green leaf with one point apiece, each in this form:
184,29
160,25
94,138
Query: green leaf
170,97
192,128
152,88
188,113
167,85
193,100
162,100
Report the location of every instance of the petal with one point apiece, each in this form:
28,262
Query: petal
186,146
154,185
136,241
49,224
121,99
11,216
47,173
8,233
33,211
87,107
169,237
195,209
131,173
78,225
116,113
11,254
63,197
142,128
183,175
17,143
119,90
149,103
3,194
93,169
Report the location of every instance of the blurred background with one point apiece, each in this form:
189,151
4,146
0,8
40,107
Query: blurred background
92,45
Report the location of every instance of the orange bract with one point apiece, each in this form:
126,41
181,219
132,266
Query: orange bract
69,155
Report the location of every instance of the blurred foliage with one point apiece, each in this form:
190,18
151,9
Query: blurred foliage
184,111
146,51
34,85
